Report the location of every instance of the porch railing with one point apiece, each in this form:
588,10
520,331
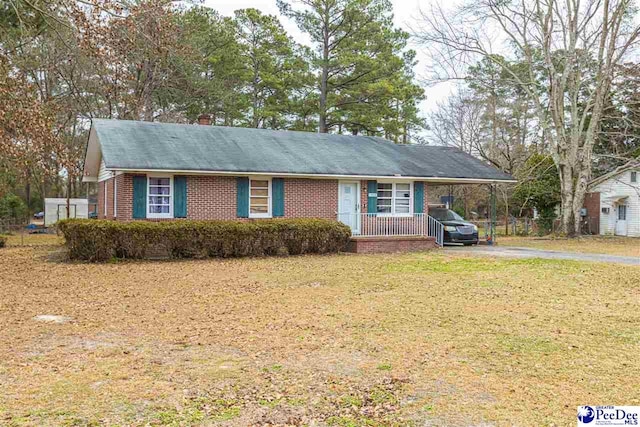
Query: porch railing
373,225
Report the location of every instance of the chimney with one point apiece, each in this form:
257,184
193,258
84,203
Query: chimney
204,119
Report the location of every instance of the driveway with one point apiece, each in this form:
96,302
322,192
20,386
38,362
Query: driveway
515,252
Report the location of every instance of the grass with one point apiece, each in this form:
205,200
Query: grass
344,340
610,245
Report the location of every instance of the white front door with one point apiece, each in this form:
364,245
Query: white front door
349,205
621,220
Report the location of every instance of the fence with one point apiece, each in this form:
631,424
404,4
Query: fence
376,225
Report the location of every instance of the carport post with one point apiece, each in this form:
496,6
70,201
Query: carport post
492,220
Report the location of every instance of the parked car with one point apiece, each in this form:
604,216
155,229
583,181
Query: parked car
456,229
38,215
93,215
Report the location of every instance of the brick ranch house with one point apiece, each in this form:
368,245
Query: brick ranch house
162,171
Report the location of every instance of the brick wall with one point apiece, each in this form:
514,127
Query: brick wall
370,245
123,203
363,197
425,204
211,197
124,208
310,198
592,203
214,197
106,212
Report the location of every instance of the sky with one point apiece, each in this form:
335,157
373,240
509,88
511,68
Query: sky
406,13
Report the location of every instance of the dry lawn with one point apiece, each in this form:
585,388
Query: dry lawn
609,245
344,340
26,239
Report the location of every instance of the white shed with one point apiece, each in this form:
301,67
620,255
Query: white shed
55,209
619,200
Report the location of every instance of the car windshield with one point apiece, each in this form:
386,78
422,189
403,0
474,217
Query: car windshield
445,214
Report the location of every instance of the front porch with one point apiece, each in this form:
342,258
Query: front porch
388,215
392,233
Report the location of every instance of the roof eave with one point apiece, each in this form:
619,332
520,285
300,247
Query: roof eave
442,180
632,164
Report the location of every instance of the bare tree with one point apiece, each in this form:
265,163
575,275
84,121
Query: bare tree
457,122
570,50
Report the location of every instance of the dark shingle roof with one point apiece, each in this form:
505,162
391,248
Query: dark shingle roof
136,145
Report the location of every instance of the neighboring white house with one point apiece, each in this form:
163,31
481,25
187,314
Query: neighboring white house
619,194
56,209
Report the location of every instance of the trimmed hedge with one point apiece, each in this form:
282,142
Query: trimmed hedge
101,240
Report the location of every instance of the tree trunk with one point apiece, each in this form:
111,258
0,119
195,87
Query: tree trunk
404,133
567,192
506,214
147,92
27,191
254,101
68,195
324,77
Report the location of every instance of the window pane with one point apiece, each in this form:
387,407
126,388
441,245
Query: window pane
259,197
402,202
384,205
159,209
159,181
384,194
259,209
402,209
622,212
403,190
384,186
158,200
159,190
260,201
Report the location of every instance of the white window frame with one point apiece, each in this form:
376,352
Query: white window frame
160,215
269,213
393,199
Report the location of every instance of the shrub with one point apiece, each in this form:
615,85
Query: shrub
101,240
12,208
3,241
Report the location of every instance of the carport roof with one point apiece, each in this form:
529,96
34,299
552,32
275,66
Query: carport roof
146,146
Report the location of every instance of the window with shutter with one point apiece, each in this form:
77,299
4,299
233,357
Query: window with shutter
259,198
159,199
394,198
